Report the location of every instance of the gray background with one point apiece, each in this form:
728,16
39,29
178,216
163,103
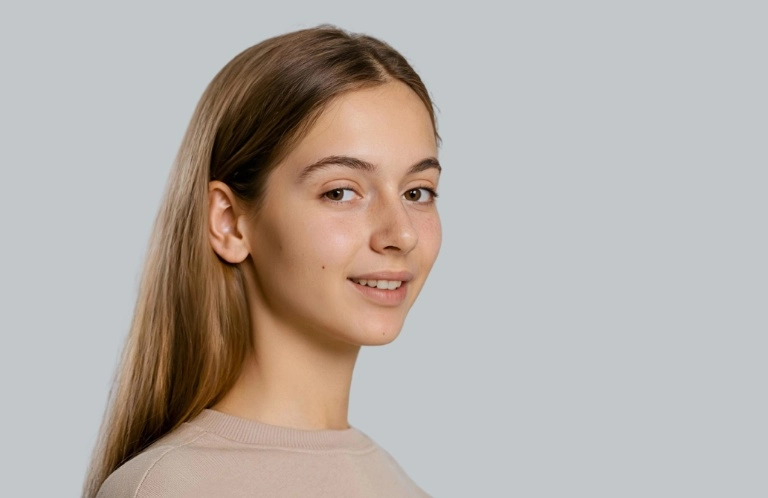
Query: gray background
596,323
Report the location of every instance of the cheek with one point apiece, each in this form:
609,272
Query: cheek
430,237
330,241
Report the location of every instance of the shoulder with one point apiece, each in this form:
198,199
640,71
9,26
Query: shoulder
136,478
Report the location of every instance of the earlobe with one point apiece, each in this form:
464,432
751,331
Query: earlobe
226,239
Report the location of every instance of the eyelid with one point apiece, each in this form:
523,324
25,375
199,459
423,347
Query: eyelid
348,188
431,191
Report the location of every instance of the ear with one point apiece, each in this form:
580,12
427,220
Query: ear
225,237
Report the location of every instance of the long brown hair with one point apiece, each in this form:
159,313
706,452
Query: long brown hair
190,331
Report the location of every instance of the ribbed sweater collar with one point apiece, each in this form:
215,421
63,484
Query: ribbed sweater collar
252,432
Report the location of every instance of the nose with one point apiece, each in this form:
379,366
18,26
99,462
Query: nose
394,231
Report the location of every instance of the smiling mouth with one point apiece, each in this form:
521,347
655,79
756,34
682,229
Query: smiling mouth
378,284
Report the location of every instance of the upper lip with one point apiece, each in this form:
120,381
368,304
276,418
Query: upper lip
402,276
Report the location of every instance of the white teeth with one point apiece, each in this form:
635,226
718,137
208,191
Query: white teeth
380,284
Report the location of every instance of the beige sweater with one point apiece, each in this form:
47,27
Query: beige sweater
218,455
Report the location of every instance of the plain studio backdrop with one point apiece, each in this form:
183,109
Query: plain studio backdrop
595,325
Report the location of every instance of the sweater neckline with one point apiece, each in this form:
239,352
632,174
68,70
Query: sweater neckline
248,431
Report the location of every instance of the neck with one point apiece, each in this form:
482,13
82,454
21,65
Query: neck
292,379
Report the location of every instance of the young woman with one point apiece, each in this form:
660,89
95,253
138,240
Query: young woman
299,224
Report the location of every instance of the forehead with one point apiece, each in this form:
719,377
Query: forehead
387,125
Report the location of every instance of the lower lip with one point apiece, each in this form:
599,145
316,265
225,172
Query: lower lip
384,297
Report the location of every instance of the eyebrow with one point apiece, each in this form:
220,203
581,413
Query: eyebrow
359,164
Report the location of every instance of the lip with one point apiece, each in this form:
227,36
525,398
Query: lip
402,276
382,297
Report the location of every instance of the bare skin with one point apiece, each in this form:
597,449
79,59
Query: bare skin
335,257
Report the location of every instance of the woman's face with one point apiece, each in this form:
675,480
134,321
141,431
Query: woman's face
348,229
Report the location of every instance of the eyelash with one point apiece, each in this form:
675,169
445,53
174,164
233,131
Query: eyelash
325,194
432,194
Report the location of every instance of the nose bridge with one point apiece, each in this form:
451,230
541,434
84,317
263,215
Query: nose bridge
394,229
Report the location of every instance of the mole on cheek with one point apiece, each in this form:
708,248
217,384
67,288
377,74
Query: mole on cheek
323,267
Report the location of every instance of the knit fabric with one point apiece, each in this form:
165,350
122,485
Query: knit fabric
219,455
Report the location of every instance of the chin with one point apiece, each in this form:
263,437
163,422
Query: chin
376,335
380,339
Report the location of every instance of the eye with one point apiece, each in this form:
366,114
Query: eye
340,194
422,195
